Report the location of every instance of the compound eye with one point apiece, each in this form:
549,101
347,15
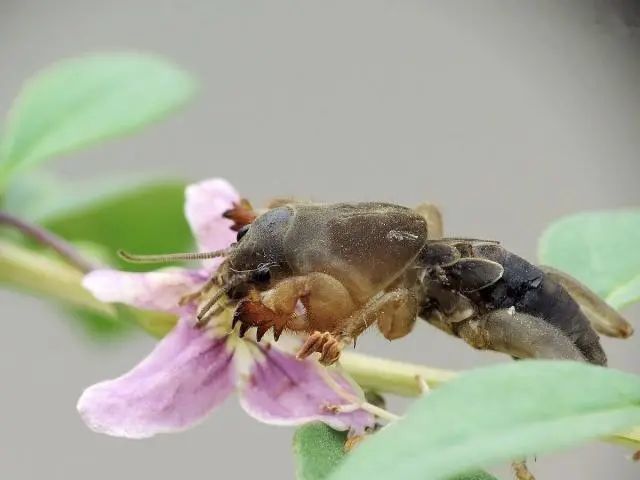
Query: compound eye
242,232
261,275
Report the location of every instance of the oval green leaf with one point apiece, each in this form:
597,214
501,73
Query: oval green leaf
600,249
99,327
626,294
497,414
143,215
475,475
318,451
80,101
145,218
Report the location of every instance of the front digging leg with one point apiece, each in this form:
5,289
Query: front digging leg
322,296
251,312
241,214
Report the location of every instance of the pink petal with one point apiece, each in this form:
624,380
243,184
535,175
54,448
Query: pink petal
158,290
282,390
205,203
178,384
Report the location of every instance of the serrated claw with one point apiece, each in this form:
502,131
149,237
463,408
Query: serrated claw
277,331
262,329
251,313
236,319
241,214
244,327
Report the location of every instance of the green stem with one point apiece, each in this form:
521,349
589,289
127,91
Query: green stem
42,275
390,376
49,239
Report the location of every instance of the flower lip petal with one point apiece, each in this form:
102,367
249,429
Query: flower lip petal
187,375
205,204
158,290
282,390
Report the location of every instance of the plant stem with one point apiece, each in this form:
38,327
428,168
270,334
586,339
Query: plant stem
43,275
48,239
390,376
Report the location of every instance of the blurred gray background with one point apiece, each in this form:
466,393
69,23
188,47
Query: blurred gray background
507,114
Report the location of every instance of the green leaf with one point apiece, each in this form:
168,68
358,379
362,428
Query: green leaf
80,101
600,249
100,327
38,195
99,217
318,450
112,213
148,218
496,414
625,294
477,475
157,324
28,194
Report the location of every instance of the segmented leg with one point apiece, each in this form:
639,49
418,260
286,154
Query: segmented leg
241,214
325,343
197,295
251,312
394,312
433,216
323,297
519,335
603,318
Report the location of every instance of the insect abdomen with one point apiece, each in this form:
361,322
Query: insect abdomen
527,289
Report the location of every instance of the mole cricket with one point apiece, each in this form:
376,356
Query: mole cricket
330,271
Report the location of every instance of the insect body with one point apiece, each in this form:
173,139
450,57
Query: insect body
354,265
332,270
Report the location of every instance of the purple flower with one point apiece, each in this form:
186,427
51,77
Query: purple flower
191,371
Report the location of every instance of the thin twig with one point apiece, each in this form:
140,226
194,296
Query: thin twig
49,239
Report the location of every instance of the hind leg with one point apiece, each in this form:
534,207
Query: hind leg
433,216
519,335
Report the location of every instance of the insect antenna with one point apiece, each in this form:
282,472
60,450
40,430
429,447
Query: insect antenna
170,257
